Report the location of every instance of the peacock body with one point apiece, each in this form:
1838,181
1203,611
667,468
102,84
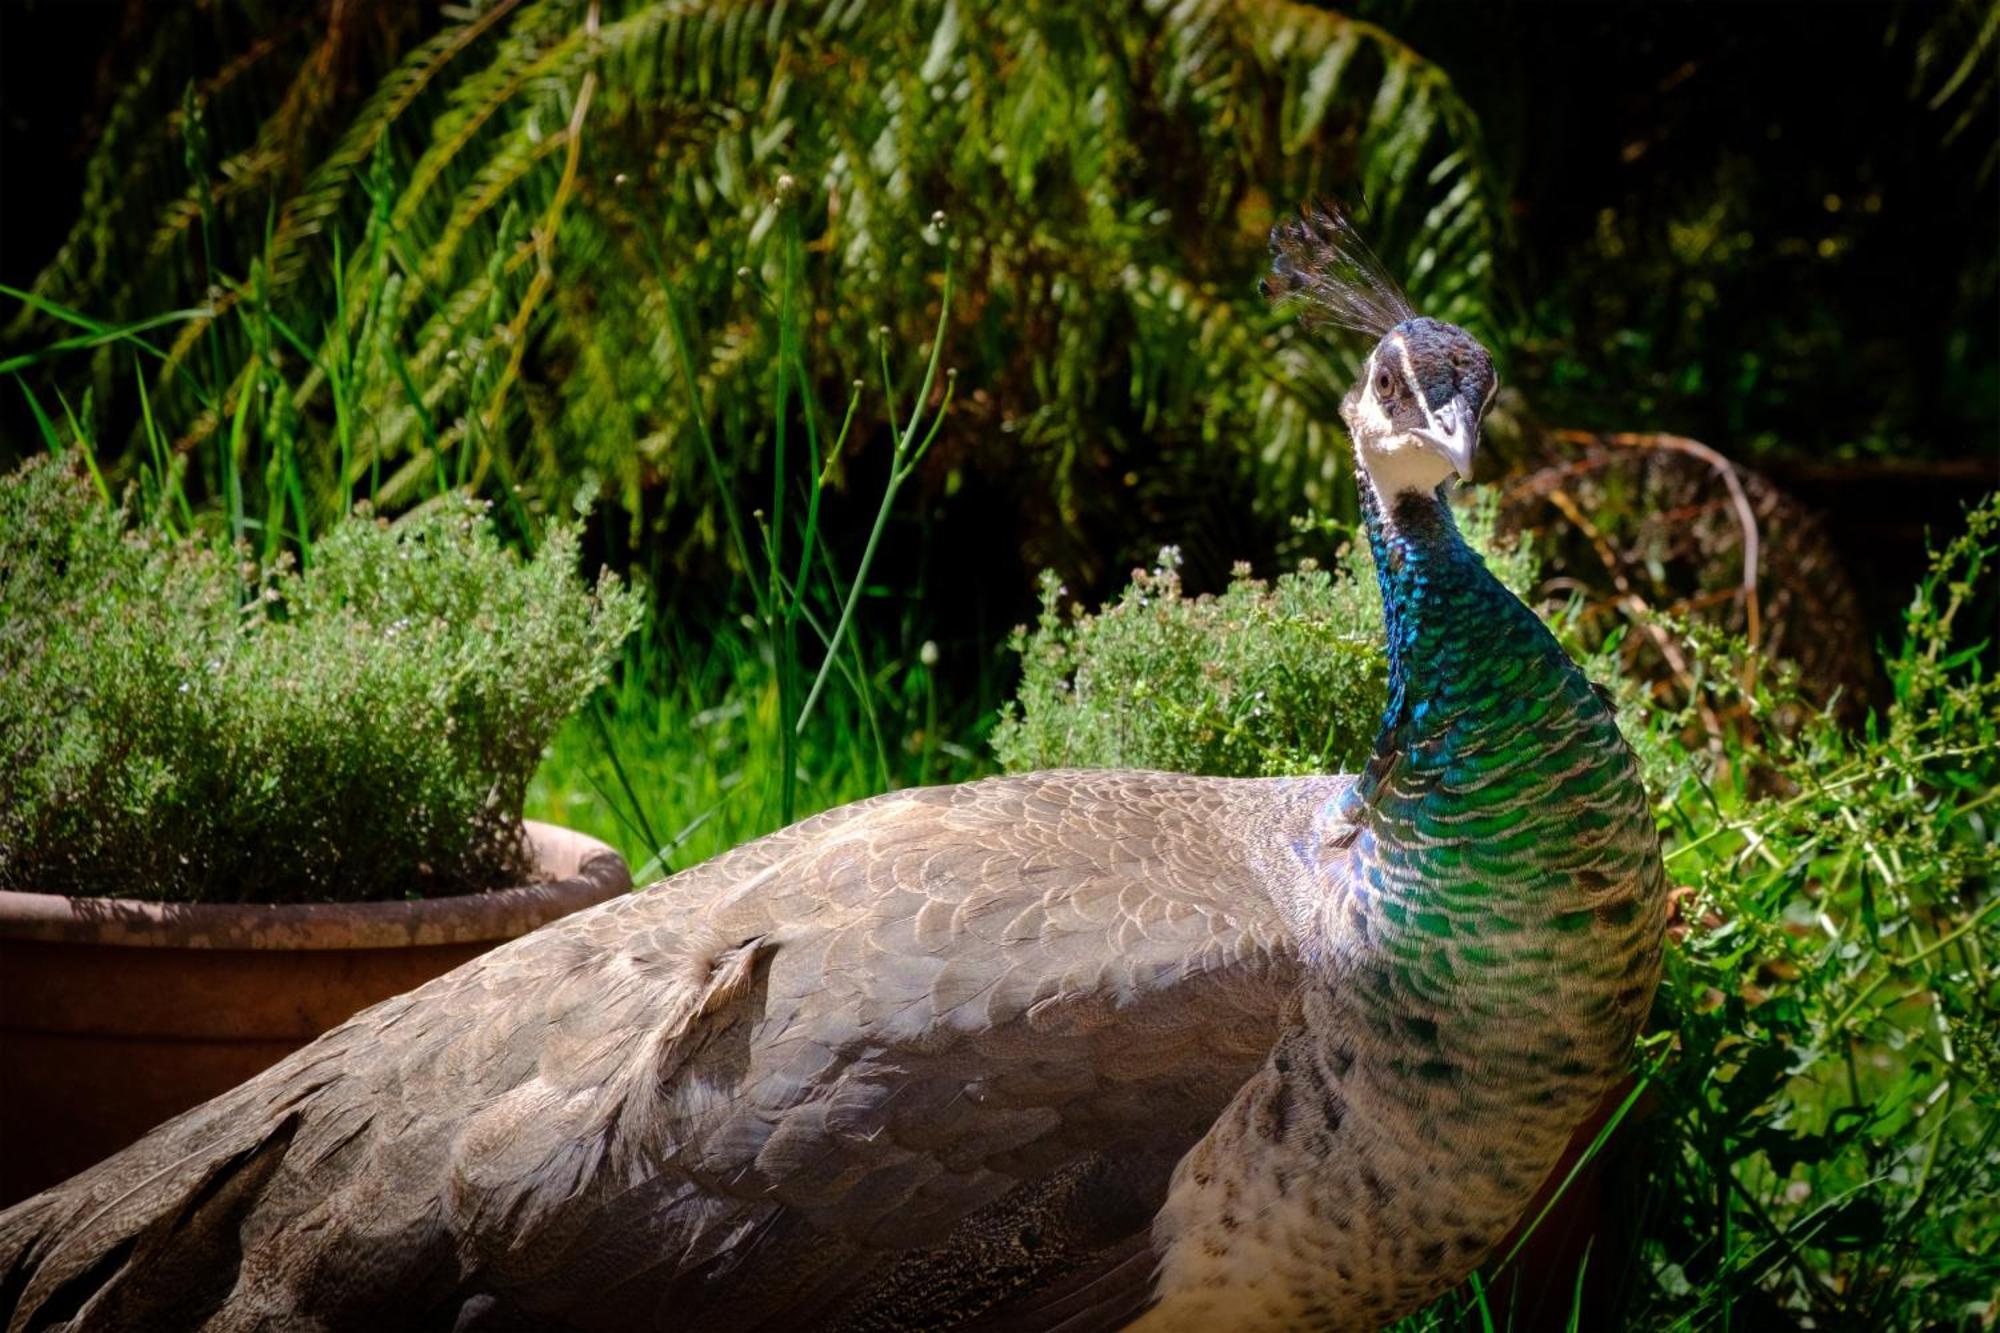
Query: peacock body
1076,1050
1486,915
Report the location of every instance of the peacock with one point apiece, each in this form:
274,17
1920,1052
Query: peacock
1073,1050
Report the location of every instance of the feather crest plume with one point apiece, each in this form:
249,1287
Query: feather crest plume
1320,263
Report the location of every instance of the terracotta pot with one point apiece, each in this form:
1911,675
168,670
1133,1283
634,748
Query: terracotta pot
116,1014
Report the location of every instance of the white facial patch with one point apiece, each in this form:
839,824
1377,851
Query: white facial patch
1394,460
1370,418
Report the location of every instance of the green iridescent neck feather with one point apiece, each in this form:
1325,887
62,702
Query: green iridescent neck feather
1459,643
1501,798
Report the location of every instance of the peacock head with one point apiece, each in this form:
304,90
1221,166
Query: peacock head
1415,411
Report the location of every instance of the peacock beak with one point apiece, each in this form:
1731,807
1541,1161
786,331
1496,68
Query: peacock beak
1454,432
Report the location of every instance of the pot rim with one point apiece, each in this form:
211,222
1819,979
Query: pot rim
582,871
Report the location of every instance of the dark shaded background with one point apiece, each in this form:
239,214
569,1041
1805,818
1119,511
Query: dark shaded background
1836,322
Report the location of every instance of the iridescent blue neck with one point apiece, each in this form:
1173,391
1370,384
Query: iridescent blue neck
1455,634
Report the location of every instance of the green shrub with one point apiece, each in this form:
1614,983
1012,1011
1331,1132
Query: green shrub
1264,678
1821,1144
1827,1138
177,723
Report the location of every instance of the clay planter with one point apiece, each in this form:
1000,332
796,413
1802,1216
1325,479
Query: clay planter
117,1014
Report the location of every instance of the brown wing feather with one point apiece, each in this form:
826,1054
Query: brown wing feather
779,1083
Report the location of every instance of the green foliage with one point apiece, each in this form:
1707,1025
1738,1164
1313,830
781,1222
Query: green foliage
180,725
1828,1136
677,760
560,252
1818,1132
705,744
1272,677
538,186
634,768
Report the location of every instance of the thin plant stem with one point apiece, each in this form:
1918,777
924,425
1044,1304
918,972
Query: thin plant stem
901,464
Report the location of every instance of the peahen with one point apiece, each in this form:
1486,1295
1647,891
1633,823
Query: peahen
1074,1050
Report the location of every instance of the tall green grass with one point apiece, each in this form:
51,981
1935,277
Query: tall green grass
246,462
707,740
675,761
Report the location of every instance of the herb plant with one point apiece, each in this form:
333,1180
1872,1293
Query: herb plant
1262,678
180,722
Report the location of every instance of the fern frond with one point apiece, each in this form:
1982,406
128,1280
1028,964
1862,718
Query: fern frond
1109,175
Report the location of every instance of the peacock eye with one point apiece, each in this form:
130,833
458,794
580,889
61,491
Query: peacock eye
1383,384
